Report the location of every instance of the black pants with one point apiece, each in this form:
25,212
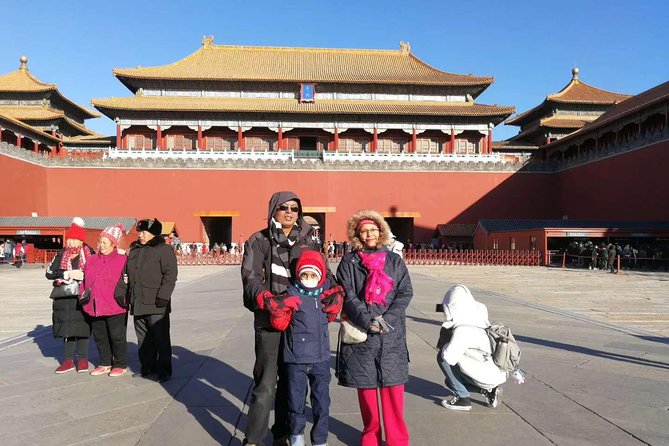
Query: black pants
265,373
110,337
155,346
81,345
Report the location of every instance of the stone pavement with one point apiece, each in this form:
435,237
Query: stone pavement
595,376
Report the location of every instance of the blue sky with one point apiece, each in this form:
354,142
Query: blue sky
529,47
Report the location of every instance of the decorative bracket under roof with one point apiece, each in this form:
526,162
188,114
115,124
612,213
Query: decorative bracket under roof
405,46
207,42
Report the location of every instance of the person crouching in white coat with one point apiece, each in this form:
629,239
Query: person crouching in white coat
465,352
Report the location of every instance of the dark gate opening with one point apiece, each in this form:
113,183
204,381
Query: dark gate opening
402,227
308,143
218,230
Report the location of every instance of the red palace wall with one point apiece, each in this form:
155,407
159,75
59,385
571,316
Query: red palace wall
631,186
177,195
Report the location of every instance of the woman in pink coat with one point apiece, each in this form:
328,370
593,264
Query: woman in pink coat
106,306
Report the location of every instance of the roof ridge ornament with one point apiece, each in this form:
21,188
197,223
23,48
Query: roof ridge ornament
24,63
405,47
574,74
207,42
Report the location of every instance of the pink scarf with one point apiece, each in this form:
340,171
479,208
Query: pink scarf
378,283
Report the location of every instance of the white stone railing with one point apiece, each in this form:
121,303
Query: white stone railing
198,155
412,157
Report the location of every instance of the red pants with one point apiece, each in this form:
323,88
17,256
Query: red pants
392,404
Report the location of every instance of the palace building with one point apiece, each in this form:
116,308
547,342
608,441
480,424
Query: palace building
310,100
562,113
205,141
35,108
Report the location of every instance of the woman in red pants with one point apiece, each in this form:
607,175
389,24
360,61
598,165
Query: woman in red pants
378,291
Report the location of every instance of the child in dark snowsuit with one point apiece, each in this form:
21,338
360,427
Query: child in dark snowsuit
304,312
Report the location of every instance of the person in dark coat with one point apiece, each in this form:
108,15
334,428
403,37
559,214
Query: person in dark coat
69,321
612,258
267,267
377,291
152,274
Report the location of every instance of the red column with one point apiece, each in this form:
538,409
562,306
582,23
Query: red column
35,146
200,142
0,134
484,144
413,142
375,141
279,142
452,144
119,136
335,145
18,140
490,141
240,138
548,140
159,138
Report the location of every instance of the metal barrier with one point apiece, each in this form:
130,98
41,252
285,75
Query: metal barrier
43,256
209,259
473,257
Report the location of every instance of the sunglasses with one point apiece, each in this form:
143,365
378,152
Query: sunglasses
286,208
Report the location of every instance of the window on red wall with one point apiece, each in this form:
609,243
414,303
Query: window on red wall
353,144
495,243
391,145
220,143
428,145
259,143
533,243
180,142
140,142
512,243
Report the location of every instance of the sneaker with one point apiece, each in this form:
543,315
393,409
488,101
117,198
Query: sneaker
117,371
101,370
82,365
493,397
457,403
65,367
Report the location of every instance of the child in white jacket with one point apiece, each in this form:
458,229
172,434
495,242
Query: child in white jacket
464,351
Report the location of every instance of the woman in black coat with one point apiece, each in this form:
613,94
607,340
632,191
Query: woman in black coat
378,291
69,320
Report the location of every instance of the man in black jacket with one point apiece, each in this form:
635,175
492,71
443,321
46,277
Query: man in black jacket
269,257
152,275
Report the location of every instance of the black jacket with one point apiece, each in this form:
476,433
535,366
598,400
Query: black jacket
152,275
68,318
383,359
257,263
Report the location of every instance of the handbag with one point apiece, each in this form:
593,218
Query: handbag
350,333
85,297
65,289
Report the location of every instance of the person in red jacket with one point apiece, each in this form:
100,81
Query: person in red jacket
106,306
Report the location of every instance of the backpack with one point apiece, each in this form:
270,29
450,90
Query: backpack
505,350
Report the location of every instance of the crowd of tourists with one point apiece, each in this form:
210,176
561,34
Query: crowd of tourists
94,290
294,296
607,256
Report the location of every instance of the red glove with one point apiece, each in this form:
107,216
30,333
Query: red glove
263,298
281,310
332,301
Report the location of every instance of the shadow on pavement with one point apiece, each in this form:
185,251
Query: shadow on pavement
592,352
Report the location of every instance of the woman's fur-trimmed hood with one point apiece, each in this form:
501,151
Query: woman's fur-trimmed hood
352,223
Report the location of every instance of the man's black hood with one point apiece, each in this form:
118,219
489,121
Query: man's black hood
281,197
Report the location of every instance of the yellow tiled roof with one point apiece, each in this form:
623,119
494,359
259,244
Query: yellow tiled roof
165,103
22,81
248,63
35,113
566,122
27,113
579,92
29,129
575,92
